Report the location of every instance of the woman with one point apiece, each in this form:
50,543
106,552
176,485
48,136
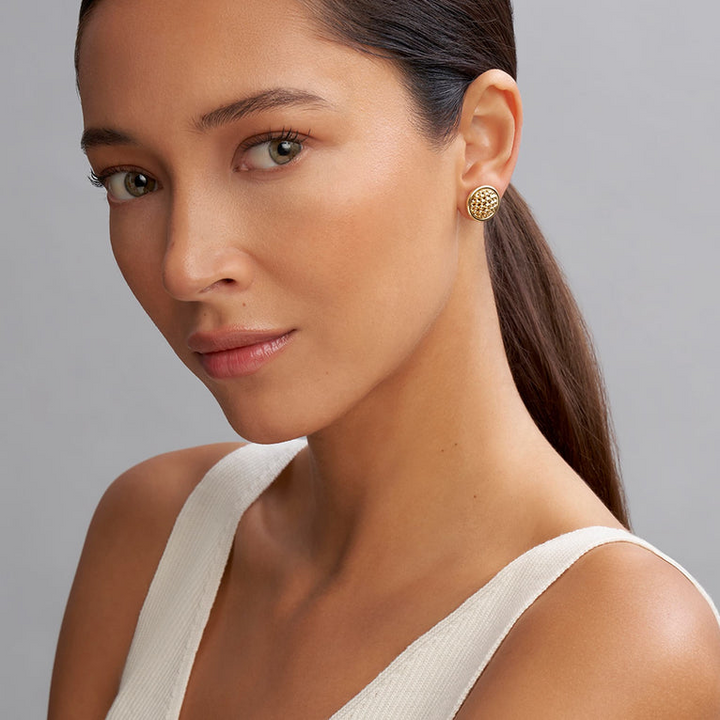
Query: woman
312,201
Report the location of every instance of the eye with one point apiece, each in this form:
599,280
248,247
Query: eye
271,153
128,184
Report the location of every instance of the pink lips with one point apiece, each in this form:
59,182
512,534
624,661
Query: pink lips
236,353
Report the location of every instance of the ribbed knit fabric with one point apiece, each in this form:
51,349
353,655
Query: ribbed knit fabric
429,680
183,590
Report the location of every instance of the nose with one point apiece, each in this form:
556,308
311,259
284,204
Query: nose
203,251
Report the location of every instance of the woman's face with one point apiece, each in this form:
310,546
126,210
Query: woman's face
261,178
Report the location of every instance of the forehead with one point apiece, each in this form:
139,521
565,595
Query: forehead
187,54
187,31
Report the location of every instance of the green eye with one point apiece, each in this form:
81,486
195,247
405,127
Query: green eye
138,184
127,185
270,153
283,151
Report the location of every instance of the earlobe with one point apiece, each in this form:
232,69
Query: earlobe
490,129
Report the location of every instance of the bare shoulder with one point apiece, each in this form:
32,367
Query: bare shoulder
124,543
622,634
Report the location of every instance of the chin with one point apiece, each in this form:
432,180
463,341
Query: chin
276,409
266,425
266,435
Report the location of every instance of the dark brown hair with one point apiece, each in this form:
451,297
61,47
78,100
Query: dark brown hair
441,46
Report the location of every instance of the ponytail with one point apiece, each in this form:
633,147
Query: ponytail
550,351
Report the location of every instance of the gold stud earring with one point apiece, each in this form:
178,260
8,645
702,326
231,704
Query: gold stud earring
483,203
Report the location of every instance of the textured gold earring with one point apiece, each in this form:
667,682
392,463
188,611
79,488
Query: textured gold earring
483,203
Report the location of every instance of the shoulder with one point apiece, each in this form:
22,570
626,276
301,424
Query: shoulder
124,543
135,515
151,494
622,634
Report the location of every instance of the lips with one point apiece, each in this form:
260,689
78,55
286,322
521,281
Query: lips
236,353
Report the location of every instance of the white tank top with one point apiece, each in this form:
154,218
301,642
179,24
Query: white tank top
429,680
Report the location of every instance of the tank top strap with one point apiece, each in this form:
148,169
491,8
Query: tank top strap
182,592
432,677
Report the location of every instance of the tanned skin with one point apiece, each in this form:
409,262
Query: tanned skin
424,473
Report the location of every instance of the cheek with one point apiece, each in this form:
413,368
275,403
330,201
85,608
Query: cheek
136,237
373,251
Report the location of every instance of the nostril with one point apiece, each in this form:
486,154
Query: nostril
219,283
193,268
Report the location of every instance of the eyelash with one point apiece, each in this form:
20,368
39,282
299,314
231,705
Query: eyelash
99,180
285,135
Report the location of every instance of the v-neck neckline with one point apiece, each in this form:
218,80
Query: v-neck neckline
464,608
429,679
180,599
452,616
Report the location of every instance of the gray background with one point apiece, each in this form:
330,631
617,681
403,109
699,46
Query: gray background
620,160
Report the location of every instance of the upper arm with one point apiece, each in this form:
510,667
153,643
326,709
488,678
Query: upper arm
124,543
623,634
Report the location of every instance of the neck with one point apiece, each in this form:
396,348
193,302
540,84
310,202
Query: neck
432,457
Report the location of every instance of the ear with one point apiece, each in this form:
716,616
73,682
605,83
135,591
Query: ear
489,130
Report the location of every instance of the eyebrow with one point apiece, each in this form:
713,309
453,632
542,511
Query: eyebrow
92,137
271,99
262,101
